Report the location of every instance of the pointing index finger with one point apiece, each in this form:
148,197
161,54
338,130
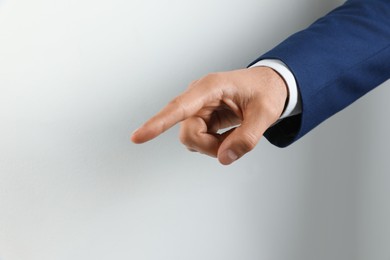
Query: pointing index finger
179,109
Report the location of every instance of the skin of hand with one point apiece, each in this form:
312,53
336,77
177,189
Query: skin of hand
248,101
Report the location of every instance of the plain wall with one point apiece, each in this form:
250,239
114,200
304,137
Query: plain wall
76,77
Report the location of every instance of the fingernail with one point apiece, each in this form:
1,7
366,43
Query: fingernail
231,155
135,131
133,136
228,157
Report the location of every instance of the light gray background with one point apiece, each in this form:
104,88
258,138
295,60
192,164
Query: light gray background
77,76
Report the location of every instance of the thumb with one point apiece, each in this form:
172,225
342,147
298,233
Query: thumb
243,138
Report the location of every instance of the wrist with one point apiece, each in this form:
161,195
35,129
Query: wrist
276,86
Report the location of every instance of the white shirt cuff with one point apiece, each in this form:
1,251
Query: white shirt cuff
293,106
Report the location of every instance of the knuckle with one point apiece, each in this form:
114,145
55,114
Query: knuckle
216,84
213,78
248,142
186,139
179,104
177,101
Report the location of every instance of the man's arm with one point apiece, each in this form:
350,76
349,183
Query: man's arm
335,61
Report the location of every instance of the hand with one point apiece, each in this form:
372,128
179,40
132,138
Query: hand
249,100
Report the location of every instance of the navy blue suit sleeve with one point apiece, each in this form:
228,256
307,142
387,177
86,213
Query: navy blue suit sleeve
335,61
